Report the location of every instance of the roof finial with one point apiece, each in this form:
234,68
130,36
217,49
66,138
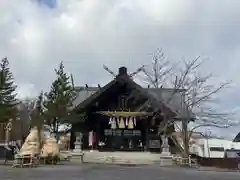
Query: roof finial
108,70
122,71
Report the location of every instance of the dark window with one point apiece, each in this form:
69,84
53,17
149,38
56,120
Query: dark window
221,149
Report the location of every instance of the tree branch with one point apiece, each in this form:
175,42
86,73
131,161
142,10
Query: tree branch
197,92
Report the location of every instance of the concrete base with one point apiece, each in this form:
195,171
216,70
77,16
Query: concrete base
77,153
78,156
166,159
77,147
166,154
166,162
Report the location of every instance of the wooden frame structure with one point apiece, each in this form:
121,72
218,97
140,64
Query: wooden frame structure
26,161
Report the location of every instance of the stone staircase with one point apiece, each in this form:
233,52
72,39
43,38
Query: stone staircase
128,158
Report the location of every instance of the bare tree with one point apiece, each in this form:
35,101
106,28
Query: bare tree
197,95
27,104
160,70
25,107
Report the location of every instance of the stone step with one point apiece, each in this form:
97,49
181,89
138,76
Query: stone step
114,160
119,157
134,155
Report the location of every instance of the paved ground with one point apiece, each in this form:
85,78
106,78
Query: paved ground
103,172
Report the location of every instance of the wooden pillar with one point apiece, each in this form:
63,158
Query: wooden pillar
97,134
72,139
146,134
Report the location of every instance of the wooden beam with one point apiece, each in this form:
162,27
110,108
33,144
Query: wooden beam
132,94
124,113
146,103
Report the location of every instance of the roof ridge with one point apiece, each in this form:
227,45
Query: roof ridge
96,87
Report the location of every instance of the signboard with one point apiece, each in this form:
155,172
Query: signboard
154,144
120,132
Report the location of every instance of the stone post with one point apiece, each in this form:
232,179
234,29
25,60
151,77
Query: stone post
165,146
165,156
78,143
78,146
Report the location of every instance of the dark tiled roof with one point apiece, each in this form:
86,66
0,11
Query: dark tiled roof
170,97
86,95
83,93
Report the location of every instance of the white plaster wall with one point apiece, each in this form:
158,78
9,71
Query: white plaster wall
203,147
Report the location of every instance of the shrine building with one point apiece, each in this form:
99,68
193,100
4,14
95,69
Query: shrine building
123,116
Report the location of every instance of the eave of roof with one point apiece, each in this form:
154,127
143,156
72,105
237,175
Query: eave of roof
95,95
131,83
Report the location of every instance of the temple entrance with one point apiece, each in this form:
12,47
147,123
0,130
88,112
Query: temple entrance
120,128
117,135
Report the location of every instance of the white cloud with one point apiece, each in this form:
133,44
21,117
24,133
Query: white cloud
27,91
88,33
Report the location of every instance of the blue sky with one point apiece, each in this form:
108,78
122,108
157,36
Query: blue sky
88,33
49,3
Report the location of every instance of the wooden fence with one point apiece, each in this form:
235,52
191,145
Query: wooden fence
17,132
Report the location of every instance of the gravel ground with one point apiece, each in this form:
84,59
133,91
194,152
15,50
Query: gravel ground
107,172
